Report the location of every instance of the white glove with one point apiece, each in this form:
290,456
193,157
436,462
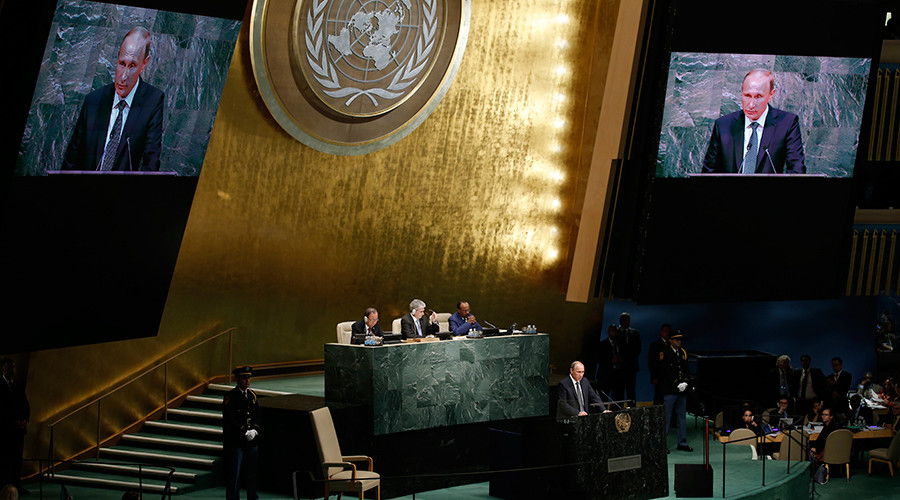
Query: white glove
252,433
682,386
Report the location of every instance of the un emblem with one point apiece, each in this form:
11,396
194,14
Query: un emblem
353,76
623,422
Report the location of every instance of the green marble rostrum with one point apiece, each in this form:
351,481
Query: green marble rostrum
432,384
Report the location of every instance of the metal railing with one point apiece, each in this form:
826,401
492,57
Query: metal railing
165,407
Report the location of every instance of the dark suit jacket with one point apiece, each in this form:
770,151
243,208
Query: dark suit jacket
408,328
568,402
460,326
143,131
839,404
655,355
13,407
780,137
360,328
818,382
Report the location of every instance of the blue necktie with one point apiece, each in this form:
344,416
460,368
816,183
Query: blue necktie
752,151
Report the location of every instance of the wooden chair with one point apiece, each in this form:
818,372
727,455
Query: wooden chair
340,473
888,455
791,446
740,437
720,420
837,450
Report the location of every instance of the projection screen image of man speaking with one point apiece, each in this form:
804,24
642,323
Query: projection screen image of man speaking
759,139
120,125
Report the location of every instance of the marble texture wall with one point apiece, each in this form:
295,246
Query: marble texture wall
433,384
827,93
189,59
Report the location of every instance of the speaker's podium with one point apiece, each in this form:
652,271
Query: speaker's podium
621,454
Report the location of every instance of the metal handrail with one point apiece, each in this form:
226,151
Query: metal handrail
164,363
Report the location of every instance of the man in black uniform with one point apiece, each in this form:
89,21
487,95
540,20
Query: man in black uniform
14,414
654,360
674,381
240,428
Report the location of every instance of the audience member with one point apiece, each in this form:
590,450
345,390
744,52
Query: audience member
654,360
575,394
751,421
810,385
14,415
860,415
891,420
838,384
674,381
815,414
782,411
867,387
9,492
889,391
817,446
782,379
630,342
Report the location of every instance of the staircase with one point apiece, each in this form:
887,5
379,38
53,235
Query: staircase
190,441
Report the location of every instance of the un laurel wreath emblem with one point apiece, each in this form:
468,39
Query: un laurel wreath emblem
353,76
623,422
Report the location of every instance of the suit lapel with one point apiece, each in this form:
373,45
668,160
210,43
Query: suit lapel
737,132
103,116
766,139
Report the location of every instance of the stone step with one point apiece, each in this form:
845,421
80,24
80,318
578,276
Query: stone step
131,470
164,442
176,460
176,428
71,478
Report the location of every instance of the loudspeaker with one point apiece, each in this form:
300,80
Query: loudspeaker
693,480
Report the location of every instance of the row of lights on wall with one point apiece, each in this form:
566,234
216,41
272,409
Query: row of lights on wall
555,123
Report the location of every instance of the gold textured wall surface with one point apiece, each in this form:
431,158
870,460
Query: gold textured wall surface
481,202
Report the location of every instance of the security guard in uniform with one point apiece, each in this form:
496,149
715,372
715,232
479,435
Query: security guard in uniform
240,428
674,381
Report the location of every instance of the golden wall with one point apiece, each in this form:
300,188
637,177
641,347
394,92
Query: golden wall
481,202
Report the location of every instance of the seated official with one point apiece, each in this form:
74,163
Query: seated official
414,325
752,422
891,420
815,415
817,447
576,394
781,412
463,320
367,325
860,415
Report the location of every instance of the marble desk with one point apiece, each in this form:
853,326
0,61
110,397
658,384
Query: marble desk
405,387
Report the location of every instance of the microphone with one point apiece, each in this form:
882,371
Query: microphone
609,398
772,163
128,145
490,325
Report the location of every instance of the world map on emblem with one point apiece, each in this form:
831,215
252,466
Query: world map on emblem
366,57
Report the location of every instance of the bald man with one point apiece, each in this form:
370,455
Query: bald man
120,125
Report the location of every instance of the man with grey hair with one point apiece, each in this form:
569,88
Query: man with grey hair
782,380
120,125
414,325
758,139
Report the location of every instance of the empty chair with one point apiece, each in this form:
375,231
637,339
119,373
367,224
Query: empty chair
395,325
344,333
744,437
340,473
791,447
720,420
837,450
443,320
888,455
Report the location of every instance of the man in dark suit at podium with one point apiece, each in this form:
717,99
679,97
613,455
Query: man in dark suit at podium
576,394
759,139
369,324
120,125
